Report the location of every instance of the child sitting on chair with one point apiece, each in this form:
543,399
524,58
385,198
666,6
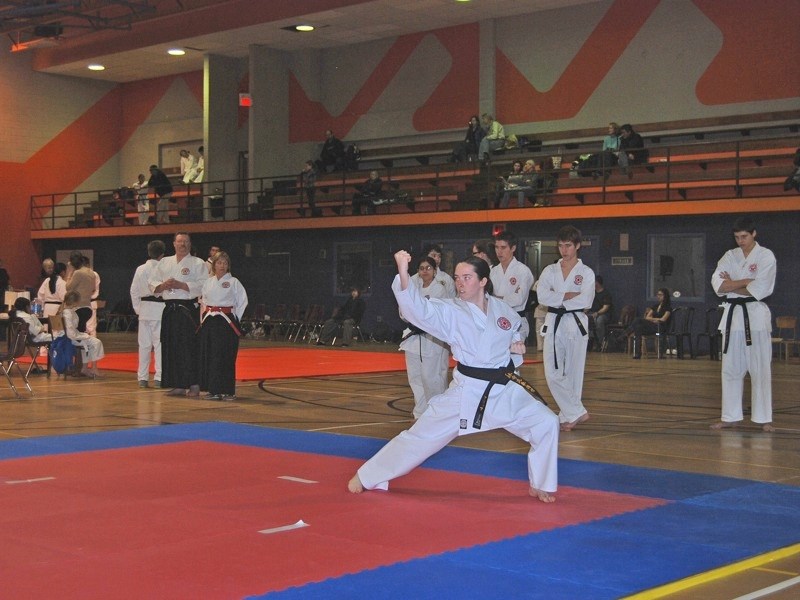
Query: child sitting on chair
91,347
22,310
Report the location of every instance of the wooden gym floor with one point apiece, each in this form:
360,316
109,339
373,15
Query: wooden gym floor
647,413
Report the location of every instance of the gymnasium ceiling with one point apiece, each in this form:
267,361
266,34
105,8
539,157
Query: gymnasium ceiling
131,38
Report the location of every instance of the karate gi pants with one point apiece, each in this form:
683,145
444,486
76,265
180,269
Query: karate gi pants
513,410
149,335
739,360
566,382
427,375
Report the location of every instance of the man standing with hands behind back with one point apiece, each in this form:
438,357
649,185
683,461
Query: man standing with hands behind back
179,280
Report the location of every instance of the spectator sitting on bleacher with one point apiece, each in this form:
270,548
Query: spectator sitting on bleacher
467,151
793,181
495,137
332,153
631,149
524,184
514,176
368,192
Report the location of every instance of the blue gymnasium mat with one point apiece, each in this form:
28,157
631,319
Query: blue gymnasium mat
709,522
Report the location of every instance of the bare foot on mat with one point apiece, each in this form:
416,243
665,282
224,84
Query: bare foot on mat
354,485
542,495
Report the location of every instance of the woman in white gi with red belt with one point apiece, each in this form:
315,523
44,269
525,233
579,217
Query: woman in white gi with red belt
483,333
223,300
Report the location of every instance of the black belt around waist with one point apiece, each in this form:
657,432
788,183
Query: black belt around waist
502,376
560,312
191,303
151,299
734,302
52,302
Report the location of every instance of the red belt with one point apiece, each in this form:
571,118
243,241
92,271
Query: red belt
223,309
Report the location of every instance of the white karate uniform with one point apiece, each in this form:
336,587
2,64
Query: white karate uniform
740,358
427,357
568,344
91,324
142,201
35,327
91,347
476,340
444,279
191,271
149,327
512,286
51,302
225,291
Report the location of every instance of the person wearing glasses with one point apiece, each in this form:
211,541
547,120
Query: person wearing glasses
427,357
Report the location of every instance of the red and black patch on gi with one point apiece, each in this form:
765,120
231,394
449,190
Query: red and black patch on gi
504,323
578,279
185,271
225,284
513,281
753,268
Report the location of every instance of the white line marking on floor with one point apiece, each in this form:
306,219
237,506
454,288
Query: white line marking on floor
296,479
297,525
358,425
35,480
768,590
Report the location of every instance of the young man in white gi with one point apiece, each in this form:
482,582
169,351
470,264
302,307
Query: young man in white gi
486,394
567,289
744,277
511,279
442,277
149,308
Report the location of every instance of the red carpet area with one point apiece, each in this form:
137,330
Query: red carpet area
255,364
214,520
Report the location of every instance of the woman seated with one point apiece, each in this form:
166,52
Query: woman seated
91,347
655,319
524,184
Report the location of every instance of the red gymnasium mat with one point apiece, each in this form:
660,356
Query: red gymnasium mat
213,520
254,364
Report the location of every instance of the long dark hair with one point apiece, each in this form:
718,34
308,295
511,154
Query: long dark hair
666,303
481,268
58,271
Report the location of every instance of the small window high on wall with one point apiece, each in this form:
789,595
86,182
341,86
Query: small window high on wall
677,262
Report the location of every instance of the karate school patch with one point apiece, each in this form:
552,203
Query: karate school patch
225,284
185,271
463,424
504,323
513,281
753,268
578,279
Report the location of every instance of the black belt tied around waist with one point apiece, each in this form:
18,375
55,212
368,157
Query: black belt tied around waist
52,302
151,299
734,302
501,376
559,313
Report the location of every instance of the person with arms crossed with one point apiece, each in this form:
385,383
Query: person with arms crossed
745,276
149,308
485,394
179,280
511,279
567,289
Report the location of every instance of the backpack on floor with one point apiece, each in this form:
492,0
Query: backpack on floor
62,353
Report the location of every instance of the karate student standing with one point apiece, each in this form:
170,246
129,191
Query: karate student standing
744,277
567,289
149,307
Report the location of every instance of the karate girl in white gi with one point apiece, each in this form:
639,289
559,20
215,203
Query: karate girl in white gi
744,277
567,289
483,333
427,357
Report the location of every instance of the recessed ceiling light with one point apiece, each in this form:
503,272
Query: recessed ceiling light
176,51
95,67
305,28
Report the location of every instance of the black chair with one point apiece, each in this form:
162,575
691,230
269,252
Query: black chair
712,332
16,348
626,317
33,347
680,329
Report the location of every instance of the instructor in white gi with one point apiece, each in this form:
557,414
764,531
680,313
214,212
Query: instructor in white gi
567,289
483,334
744,277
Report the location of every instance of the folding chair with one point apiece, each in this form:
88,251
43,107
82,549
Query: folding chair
32,347
16,348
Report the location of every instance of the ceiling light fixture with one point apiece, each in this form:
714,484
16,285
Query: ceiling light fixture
96,67
305,28
176,51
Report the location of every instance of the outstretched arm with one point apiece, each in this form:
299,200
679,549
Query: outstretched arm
403,259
